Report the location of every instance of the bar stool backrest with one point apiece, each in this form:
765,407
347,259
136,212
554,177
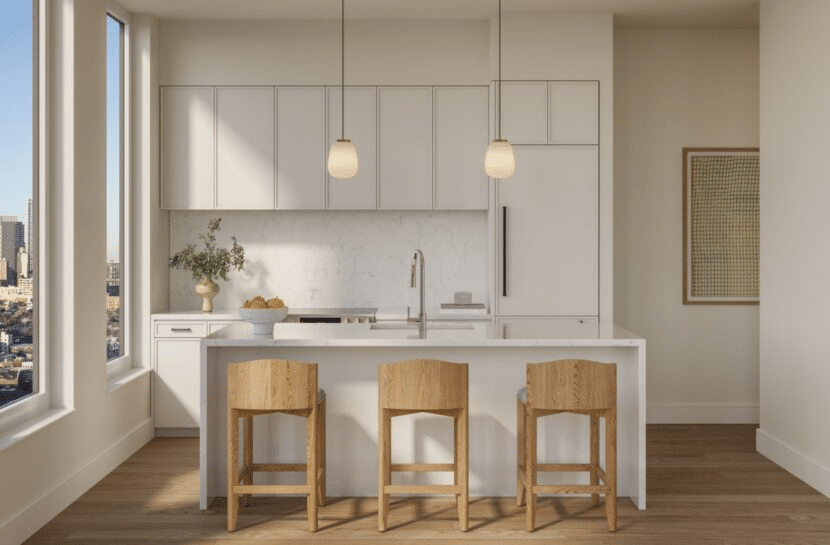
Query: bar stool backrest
571,385
272,385
426,385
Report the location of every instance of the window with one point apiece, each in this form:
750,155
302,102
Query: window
20,372
117,191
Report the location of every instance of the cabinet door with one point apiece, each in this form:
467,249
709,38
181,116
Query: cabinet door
574,112
177,383
187,148
461,134
361,191
245,148
405,147
301,148
524,109
549,229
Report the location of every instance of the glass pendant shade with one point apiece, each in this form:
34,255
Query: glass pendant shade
342,161
499,161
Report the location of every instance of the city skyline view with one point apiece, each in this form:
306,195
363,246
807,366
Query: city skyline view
16,119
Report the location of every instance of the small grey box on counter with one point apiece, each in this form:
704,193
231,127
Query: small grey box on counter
463,298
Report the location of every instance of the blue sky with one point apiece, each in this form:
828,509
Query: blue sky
16,116
15,107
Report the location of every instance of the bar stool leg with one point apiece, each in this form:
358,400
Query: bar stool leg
311,468
248,455
530,468
462,468
595,457
611,469
384,462
520,452
321,453
233,468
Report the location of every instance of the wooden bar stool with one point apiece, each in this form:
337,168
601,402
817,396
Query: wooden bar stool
275,386
429,386
569,386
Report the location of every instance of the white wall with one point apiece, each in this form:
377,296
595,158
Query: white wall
47,468
795,114
675,89
308,52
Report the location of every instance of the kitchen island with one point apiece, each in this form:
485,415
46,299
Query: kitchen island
348,356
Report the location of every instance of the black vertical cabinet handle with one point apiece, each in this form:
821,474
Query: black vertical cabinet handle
504,251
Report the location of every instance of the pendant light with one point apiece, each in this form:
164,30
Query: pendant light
499,161
342,161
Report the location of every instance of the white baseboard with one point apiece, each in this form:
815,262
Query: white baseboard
34,516
803,467
702,413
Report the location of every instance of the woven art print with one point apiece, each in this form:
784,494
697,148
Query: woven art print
721,225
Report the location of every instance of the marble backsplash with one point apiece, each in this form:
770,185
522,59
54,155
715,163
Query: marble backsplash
338,258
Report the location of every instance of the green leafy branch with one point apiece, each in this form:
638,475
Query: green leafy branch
214,262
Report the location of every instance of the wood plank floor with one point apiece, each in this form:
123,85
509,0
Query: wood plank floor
706,485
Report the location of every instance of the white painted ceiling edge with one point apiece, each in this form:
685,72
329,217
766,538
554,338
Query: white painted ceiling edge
627,13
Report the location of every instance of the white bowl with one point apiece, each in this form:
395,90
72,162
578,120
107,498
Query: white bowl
263,319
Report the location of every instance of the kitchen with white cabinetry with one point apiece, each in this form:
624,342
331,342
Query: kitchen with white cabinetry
231,117
533,249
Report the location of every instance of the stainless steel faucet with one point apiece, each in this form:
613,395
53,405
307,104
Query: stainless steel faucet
417,257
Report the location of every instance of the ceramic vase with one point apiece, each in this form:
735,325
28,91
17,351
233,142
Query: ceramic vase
207,290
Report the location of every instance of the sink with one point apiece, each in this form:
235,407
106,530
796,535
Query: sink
430,325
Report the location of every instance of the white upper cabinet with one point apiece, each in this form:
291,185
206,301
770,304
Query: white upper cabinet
301,148
245,166
360,192
461,138
573,112
405,147
187,148
524,111
549,112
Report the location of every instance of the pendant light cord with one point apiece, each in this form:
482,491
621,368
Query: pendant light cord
343,69
499,118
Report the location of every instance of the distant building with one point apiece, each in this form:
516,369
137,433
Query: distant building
4,269
22,265
30,237
6,342
11,239
113,278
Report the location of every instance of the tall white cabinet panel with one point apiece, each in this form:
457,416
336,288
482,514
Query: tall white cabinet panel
359,192
461,138
187,148
301,147
524,106
245,168
549,221
177,383
574,112
405,147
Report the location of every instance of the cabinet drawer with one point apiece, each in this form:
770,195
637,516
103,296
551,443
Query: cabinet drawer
216,326
181,329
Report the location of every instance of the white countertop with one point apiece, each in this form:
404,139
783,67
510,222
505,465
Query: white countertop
470,334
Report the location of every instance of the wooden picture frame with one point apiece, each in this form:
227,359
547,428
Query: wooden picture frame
721,226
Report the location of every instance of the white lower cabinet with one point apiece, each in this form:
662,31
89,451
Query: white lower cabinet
176,361
177,383
548,328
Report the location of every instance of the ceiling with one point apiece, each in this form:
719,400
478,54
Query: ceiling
627,13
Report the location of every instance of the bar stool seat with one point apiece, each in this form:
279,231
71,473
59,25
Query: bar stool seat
275,386
568,386
429,386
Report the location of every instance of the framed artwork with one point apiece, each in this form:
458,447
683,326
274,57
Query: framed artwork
721,225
